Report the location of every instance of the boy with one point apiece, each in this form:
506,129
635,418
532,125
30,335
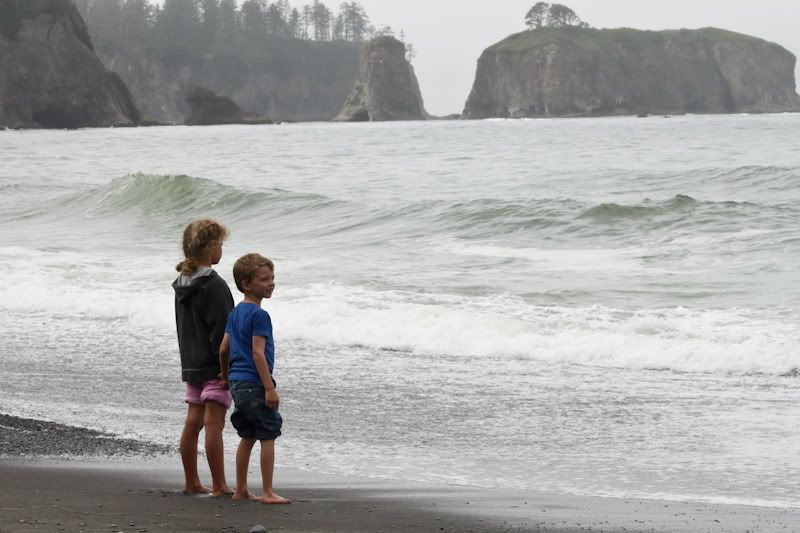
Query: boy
247,360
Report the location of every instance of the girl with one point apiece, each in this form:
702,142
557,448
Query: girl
202,304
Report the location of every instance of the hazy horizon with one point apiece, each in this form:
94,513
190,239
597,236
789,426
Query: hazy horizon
448,36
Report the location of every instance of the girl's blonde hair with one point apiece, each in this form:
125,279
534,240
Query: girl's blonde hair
198,237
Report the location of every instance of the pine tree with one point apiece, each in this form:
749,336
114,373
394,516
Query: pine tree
104,18
178,31
294,23
537,15
228,19
211,20
253,20
135,22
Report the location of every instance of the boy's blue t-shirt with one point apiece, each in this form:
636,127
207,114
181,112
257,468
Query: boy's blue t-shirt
245,322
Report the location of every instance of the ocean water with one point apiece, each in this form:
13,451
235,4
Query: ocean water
590,306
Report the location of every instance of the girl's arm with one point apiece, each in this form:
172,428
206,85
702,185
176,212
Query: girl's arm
224,360
260,360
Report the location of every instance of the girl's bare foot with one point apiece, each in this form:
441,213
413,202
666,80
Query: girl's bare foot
224,491
196,489
273,499
238,495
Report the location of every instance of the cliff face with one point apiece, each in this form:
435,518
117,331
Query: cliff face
577,72
386,87
293,80
50,76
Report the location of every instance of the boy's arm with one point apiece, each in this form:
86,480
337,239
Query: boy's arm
224,360
260,360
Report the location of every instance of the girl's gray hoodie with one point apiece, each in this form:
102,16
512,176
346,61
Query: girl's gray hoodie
202,304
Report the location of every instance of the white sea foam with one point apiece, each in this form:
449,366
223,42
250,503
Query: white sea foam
499,326
504,327
70,283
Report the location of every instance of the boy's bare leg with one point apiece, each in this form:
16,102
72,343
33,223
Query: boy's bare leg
267,467
191,431
214,422
242,462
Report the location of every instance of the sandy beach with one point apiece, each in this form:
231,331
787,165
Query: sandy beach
60,478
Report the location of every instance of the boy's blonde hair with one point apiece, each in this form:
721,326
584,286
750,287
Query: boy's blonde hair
246,266
198,237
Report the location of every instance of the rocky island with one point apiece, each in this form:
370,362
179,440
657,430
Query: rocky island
386,87
50,76
582,71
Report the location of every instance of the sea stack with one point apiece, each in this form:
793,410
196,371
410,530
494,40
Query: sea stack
386,87
573,71
208,108
50,76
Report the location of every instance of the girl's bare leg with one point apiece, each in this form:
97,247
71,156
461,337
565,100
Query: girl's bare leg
191,431
267,467
242,462
214,421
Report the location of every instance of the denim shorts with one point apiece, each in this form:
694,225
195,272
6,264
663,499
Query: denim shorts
251,417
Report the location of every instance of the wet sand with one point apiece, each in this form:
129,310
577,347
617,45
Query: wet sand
136,498
97,483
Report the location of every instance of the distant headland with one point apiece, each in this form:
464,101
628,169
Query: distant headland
561,66
131,67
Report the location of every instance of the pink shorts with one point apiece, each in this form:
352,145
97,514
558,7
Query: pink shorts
210,391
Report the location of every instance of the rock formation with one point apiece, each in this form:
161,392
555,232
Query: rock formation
50,76
583,71
209,108
386,87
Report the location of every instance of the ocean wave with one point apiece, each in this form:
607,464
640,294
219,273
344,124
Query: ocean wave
174,197
487,217
178,195
612,211
730,341
163,204
503,329
492,216
680,205
536,223
756,176
684,218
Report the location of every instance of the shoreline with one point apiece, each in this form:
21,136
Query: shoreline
95,482
446,118
29,437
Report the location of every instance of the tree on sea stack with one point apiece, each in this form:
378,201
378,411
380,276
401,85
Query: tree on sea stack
544,15
537,15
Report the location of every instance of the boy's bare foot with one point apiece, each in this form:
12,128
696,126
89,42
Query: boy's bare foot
196,489
237,495
224,491
273,499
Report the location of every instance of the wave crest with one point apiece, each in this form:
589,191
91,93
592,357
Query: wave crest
612,211
171,197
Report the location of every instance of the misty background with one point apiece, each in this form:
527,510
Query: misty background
449,35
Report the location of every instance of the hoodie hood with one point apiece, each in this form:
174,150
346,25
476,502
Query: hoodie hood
186,286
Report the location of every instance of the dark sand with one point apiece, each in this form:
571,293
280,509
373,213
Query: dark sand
119,485
35,438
